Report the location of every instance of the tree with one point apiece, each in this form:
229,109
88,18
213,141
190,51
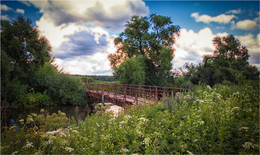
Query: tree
151,38
25,47
229,62
23,51
131,71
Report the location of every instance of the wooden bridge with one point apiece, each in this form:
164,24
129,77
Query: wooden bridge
125,95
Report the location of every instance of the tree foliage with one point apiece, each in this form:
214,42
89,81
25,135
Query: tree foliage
227,64
131,71
151,38
27,75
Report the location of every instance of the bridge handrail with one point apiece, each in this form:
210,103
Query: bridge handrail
135,90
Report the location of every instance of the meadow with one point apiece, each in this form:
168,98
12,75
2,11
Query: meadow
207,120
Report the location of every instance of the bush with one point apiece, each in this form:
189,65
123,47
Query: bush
62,88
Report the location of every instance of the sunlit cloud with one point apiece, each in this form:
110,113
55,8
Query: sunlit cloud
108,14
5,8
4,17
246,24
207,19
20,11
192,46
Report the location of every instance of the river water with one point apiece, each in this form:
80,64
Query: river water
11,117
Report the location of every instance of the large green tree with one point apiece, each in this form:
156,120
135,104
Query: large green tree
25,47
228,63
23,51
27,75
151,38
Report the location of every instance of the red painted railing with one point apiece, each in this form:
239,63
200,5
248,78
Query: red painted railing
137,91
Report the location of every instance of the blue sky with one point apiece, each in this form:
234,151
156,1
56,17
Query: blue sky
82,32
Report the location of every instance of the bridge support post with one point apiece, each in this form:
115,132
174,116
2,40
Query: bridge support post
103,96
156,95
124,95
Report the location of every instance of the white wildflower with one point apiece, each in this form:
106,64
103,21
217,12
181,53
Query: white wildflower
75,131
142,120
53,132
50,141
201,122
15,152
62,134
127,117
28,145
69,149
97,124
190,153
248,145
93,145
39,152
235,108
244,128
147,141
123,122
124,150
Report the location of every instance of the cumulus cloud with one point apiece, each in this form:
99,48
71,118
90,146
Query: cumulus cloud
237,11
80,31
222,18
20,11
4,17
191,46
95,64
5,7
253,46
82,43
108,14
246,24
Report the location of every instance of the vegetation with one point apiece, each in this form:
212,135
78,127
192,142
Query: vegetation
151,39
228,64
27,76
207,120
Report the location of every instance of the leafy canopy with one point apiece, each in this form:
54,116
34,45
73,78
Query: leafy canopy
227,64
151,38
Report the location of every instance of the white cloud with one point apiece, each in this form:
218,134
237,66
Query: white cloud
222,18
20,11
95,64
5,7
253,46
246,24
237,11
78,31
4,17
191,46
107,14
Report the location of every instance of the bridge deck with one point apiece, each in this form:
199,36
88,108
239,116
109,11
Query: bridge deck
125,95
119,98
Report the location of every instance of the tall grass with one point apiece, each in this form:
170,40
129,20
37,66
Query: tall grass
207,120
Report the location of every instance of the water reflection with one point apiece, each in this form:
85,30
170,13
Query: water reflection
11,117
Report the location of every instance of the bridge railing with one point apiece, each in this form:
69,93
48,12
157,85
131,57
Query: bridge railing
137,91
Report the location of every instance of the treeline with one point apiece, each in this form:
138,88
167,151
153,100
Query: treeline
227,65
27,76
96,77
145,52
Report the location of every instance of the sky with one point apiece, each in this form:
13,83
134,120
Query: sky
81,32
